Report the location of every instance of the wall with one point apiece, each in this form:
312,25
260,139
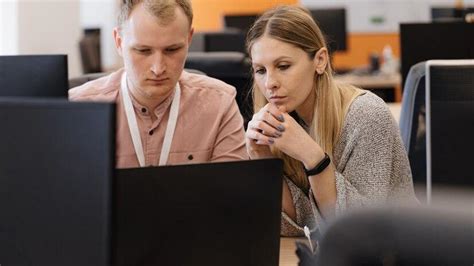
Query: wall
367,36
208,13
361,13
42,27
8,27
102,14
361,45
207,17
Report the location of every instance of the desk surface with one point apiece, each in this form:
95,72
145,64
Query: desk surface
287,252
379,81
371,81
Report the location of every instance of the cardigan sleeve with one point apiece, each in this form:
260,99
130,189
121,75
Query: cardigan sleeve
304,213
372,167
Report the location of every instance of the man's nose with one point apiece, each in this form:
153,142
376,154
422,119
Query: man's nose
158,65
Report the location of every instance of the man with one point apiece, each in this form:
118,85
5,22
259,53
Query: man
164,114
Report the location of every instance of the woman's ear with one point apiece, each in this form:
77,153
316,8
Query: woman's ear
321,59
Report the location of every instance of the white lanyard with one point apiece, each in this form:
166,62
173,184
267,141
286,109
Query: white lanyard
134,131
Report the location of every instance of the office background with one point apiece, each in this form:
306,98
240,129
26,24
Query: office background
56,26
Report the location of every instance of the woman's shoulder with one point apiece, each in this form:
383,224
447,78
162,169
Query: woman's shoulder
368,110
368,124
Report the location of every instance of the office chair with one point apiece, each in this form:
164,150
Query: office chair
231,67
449,123
443,160
412,124
89,47
399,237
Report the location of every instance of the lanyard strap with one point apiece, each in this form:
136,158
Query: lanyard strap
133,126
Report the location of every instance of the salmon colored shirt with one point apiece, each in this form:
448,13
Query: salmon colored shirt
209,126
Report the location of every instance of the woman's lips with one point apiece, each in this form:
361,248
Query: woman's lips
278,99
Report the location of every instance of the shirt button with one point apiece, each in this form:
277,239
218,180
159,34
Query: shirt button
190,157
143,110
150,132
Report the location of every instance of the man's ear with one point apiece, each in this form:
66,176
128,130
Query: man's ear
190,37
321,60
118,40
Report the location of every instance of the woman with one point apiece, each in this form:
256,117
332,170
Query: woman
340,145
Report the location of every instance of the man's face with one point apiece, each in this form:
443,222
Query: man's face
153,54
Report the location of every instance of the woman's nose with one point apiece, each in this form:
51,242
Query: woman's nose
271,83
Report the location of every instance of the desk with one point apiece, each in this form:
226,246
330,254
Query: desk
287,251
379,81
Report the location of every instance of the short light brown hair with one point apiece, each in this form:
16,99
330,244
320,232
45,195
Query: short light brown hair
162,9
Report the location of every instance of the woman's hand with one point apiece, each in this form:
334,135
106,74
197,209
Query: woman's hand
272,126
298,144
262,130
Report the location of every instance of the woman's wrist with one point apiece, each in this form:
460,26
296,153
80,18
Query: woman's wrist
312,156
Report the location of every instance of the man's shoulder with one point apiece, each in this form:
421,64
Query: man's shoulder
101,89
202,84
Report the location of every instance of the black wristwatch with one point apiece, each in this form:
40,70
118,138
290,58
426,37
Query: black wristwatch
320,166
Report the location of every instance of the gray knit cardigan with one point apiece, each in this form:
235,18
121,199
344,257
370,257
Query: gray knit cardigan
372,167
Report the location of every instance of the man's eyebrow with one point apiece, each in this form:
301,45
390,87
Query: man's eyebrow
176,45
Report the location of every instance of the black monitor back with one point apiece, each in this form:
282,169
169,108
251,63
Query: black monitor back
241,22
450,122
34,75
426,41
225,41
450,13
233,68
332,21
56,166
203,214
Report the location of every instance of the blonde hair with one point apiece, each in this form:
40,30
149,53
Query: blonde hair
162,9
294,25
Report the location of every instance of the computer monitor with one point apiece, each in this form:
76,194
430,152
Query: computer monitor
233,68
425,41
332,21
442,14
241,22
449,123
34,76
224,41
56,167
213,214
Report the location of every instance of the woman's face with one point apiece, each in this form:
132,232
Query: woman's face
283,73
